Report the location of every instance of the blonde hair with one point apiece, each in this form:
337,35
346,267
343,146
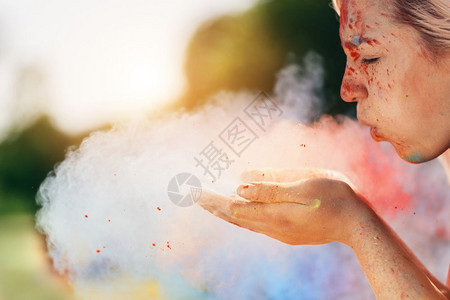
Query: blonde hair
430,18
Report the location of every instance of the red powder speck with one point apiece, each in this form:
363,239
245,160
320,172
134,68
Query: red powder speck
168,246
158,208
344,15
377,42
389,86
86,216
153,244
351,69
355,55
364,68
109,220
98,250
367,26
350,26
104,247
346,88
245,187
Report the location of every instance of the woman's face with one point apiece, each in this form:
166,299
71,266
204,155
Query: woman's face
401,94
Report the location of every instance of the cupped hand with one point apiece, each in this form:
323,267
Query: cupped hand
301,207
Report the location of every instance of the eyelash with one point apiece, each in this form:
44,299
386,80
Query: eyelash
370,60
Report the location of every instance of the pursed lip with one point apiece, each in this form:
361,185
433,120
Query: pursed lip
374,134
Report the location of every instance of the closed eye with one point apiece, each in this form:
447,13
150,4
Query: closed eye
370,60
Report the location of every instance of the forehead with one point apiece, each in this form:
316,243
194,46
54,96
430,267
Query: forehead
361,5
359,18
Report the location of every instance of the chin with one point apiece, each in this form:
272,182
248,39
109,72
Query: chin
415,157
407,154
415,153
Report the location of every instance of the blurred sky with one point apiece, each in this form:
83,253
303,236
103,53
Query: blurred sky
88,62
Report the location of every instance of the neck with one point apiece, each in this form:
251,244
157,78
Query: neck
445,161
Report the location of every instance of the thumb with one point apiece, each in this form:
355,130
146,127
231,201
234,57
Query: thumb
268,192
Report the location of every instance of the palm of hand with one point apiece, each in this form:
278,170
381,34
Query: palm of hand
297,207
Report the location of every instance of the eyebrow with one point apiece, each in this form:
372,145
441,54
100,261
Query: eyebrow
357,41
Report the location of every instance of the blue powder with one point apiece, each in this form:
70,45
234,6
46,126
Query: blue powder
415,158
356,40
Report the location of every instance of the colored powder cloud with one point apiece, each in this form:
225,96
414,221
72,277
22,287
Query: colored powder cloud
113,231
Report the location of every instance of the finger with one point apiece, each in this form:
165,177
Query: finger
272,219
226,208
269,192
287,175
273,214
276,175
334,175
292,175
215,203
307,192
251,215
268,174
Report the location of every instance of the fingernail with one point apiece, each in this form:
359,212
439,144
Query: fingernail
245,190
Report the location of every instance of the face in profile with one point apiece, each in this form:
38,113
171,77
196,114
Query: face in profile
402,91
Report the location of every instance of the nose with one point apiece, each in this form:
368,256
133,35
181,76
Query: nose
352,89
